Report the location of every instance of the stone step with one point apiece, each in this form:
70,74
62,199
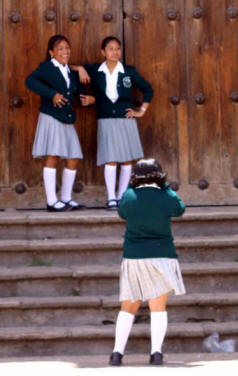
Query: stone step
93,223
103,310
73,251
83,340
103,280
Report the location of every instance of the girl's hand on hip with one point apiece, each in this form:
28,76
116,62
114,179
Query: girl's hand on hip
87,100
59,100
132,113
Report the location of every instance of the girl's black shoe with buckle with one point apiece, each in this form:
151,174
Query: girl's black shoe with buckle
111,204
53,208
71,204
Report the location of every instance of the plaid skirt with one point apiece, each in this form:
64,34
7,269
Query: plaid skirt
144,279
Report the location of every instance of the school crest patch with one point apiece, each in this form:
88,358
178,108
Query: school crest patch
127,82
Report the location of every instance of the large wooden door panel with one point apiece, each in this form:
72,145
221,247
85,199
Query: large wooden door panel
3,148
228,66
212,60
25,40
153,43
202,48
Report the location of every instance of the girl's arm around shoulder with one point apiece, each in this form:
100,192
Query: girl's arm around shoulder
84,77
92,68
177,206
85,71
139,82
36,81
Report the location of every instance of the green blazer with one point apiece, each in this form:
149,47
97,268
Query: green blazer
47,80
148,212
125,84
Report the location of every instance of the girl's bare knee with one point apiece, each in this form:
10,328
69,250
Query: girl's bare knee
51,161
130,307
158,304
72,163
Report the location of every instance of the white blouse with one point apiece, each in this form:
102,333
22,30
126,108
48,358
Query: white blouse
111,79
64,69
148,185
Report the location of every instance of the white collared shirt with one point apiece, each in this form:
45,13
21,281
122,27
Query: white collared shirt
148,185
64,69
111,79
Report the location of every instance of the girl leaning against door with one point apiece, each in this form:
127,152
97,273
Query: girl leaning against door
118,136
56,136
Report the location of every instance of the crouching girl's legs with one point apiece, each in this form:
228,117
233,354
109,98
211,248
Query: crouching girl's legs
124,324
158,324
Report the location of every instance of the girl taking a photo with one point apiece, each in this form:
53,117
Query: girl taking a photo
149,270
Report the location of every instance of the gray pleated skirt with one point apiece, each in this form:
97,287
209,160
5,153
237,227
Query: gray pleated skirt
118,141
144,279
55,138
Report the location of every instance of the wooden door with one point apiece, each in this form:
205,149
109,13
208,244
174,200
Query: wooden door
188,50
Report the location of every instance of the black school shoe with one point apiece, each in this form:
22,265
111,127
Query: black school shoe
111,206
52,208
115,359
74,207
156,359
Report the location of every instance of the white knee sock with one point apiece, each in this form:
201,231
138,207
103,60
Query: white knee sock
49,177
123,329
68,177
158,325
110,173
125,175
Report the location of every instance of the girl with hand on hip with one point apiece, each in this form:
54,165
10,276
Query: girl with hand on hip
150,270
56,136
118,136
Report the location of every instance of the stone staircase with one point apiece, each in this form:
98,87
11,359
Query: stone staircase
59,282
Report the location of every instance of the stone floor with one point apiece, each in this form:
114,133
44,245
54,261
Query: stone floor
174,365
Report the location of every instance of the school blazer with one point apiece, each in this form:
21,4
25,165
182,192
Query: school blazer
105,108
46,81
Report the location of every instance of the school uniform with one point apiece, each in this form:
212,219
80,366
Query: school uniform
55,133
150,265
118,137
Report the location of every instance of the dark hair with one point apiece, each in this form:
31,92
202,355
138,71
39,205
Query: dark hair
148,171
109,39
53,41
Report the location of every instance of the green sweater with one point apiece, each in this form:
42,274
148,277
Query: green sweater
47,80
148,212
126,82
